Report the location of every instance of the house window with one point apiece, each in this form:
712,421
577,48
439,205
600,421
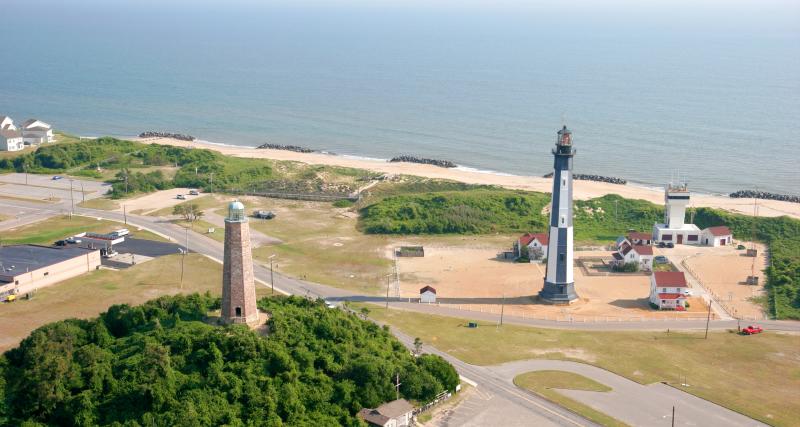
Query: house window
665,290
692,237
666,237
663,301
16,282
46,273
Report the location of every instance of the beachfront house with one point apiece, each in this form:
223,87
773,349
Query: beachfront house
534,245
397,413
674,229
667,290
7,123
36,132
427,294
717,236
641,255
11,140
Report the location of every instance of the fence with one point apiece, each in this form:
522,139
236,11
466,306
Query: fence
314,197
729,308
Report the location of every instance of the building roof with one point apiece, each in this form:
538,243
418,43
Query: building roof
719,230
638,235
19,259
527,238
27,123
674,279
620,240
395,408
426,289
39,128
8,133
625,248
372,416
643,249
670,296
617,256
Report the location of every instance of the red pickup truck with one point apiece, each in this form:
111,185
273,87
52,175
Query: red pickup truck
752,330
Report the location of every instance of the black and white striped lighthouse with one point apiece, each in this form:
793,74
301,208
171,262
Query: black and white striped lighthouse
559,285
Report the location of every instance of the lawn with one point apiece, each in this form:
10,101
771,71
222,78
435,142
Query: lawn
545,383
756,375
102,203
204,202
49,230
203,227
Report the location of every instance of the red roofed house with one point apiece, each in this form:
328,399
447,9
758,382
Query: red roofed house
716,236
536,244
639,238
427,294
640,254
667,290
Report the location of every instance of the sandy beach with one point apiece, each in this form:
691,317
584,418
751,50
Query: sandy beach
583,189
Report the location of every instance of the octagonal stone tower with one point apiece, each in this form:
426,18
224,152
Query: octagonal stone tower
238,288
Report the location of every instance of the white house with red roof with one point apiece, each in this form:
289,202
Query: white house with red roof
536,244
640,238
640,254
667,290
717,236
427,294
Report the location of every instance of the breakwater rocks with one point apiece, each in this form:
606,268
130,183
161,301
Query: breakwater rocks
598,178
424,161
178,136
294,148
752,194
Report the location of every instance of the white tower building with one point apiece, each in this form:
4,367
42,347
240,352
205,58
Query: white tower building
675,229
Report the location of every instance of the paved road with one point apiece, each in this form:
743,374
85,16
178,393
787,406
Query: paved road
631,402
525,408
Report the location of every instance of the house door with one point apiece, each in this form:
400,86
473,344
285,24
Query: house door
722,242
680,239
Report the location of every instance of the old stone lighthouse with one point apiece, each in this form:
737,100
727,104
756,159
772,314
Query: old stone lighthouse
238,288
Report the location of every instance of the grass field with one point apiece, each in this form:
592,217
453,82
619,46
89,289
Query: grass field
102,203
204,202
202,227
48,231
756,375
544,384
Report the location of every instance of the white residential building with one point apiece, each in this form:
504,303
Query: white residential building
717,236
36,132
7,123
536,244
674,229
11,140
667,290
427,294
397,413
640,254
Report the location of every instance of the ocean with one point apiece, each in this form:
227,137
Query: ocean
706,96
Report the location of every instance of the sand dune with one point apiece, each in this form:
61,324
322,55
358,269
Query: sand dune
583,189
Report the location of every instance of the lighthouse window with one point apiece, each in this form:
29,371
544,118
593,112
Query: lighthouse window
238,311
563,220
563,182
561,257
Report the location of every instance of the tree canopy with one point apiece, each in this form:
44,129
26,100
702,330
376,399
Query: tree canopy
162,363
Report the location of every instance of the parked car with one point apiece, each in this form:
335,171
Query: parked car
57,177
194,193
180,197
73,240
61,243
670,245
109,253
688,292
264,214
752,330
662,245
661,259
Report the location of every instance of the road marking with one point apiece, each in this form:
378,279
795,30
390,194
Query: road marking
468,381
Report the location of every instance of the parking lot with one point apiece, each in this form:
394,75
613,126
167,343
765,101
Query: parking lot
45,188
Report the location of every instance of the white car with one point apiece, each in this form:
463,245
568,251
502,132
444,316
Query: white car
73,240
688,292
181,197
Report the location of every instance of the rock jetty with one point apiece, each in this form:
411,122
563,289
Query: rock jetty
598,178
178,136
424,161
294,148
752,194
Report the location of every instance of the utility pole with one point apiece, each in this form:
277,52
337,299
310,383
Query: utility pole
708,319
125,213
212,182
271,276
388,281
25,168
183,256
502,309
673,416
71,200
397,386
83,194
